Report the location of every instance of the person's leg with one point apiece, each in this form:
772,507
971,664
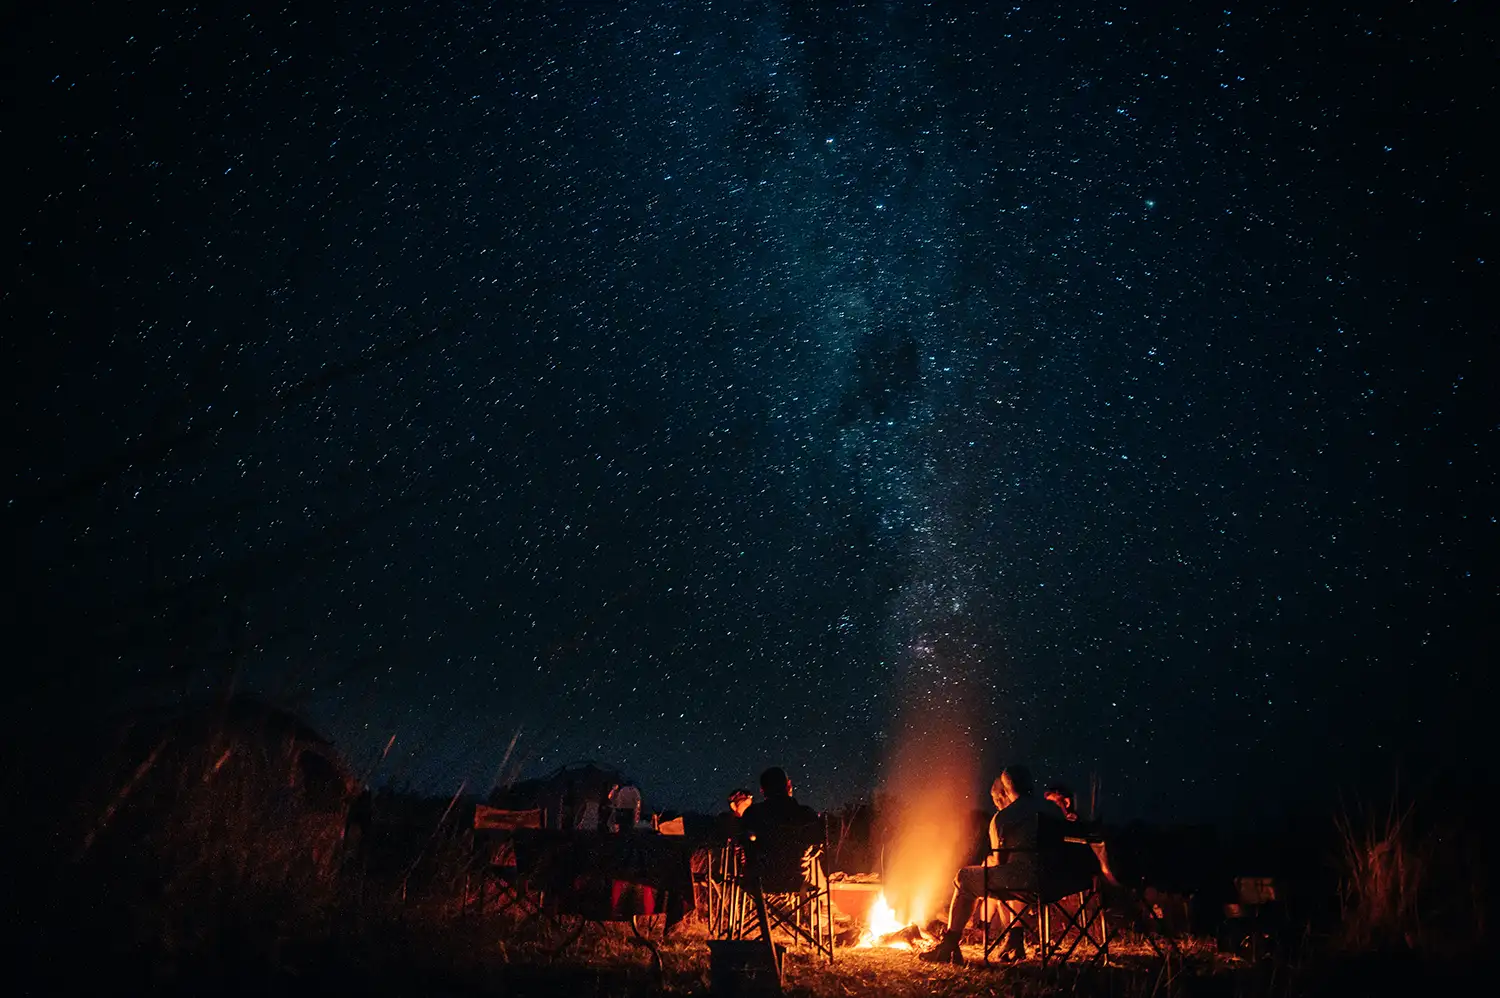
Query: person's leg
968,885
1007,927
967,888
1011,878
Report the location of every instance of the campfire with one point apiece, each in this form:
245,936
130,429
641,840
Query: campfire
925,813
877,924
885,928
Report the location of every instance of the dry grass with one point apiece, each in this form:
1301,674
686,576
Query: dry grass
1410,885
494,952
219,845
1383,875
890,972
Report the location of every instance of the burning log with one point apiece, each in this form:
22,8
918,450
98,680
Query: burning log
910,935
881,926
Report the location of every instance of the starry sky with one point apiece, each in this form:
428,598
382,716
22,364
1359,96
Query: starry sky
704,386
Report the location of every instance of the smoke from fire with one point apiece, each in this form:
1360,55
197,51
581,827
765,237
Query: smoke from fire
930,778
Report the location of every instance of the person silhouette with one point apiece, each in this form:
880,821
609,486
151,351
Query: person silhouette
1013,827
625,806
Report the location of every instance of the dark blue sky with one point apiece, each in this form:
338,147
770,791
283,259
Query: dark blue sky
695,388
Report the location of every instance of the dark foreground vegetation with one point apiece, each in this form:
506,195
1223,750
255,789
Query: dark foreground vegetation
226,854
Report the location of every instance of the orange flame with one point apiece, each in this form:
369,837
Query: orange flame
883,921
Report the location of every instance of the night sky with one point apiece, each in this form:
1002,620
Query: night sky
699,387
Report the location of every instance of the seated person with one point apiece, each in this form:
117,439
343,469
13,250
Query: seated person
1063,798
777,806
624,807
739,802
727,823
1013,827
779,814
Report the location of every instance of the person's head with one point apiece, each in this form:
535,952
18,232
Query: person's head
739,800
1000,793
775,783
1013,783
1063,798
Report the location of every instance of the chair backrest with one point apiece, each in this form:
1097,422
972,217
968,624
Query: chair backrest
782,855
1058,867
492,832
1028,838
1254,890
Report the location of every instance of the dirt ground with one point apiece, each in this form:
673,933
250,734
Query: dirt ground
606,960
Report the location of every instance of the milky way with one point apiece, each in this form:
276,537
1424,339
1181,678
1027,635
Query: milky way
696,389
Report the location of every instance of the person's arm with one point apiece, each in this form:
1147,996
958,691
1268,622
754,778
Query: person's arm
749,824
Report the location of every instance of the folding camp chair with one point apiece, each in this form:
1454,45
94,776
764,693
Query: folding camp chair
1062,904
780,884
1252,922
495,855
729,905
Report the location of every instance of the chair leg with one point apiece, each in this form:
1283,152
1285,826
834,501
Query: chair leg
828,921
1014,923
1103,927
987,918
765,929
713,899
1044,930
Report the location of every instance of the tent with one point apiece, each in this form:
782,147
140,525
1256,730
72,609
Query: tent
564,793
241,774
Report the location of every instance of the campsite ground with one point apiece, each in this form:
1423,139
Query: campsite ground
195,872
232,935
427,952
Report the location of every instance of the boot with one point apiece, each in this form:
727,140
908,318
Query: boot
946,951
1015,945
